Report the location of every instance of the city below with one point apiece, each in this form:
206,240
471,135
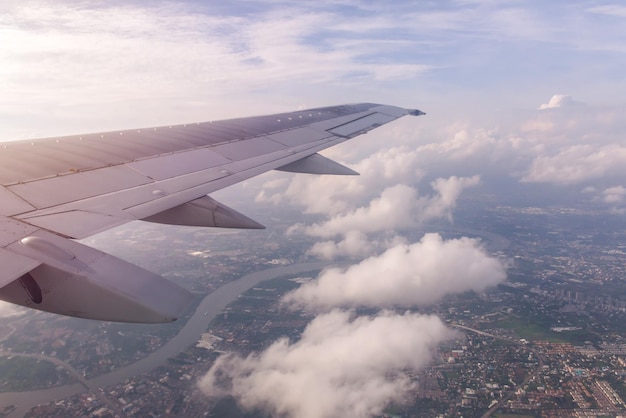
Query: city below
547,342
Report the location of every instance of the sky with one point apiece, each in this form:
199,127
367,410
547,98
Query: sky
522,98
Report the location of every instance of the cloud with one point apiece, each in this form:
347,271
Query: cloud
175,61
576,164
610,10
558,100
334,194
447,193
405,275
354,244
8,310
397,207
614,194
341,366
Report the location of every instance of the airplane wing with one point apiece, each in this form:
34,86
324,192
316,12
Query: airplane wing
54,190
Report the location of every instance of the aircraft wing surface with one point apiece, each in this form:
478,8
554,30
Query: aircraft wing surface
53,190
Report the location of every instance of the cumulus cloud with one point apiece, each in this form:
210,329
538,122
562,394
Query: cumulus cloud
341,366
614,194
398,206
573,143
333,194
405,275
558,100
447,193
576,164
355,244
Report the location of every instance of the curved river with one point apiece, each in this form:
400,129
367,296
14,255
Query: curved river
214,303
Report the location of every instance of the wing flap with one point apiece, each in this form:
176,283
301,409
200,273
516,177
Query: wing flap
14,266
12,204
297,137
206,212
45,193
317,164
242,150
77,224
362,125
174,165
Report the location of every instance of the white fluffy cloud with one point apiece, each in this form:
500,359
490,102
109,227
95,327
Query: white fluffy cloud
614,194
334,194
397,207
568,142
354,244
576,164
558,100
405,275
341,366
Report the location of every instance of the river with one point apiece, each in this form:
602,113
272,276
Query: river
213,304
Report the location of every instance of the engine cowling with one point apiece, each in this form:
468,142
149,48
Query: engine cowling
77,280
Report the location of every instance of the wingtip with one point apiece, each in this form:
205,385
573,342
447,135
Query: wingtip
415,112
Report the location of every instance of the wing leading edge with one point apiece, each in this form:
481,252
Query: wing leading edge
56,189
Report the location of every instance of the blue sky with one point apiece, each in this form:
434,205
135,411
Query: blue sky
71,65
525,90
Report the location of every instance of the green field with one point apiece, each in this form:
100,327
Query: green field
534,329
19,373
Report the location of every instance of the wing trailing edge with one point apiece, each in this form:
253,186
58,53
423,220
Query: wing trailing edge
207,212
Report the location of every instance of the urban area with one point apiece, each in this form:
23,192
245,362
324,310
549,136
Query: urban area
548,342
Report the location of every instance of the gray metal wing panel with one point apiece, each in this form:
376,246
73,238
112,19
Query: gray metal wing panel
228,133
107,152
184,137
301,136
162,181
136,142
13,170
14,266
118,147
64,158
181,163
361,125
249,129
77,223
54,191
241,150
12,204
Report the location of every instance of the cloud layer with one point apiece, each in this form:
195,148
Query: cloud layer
341,366
8,310
405,275
397,207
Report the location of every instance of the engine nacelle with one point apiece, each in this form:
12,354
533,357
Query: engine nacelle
77,280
